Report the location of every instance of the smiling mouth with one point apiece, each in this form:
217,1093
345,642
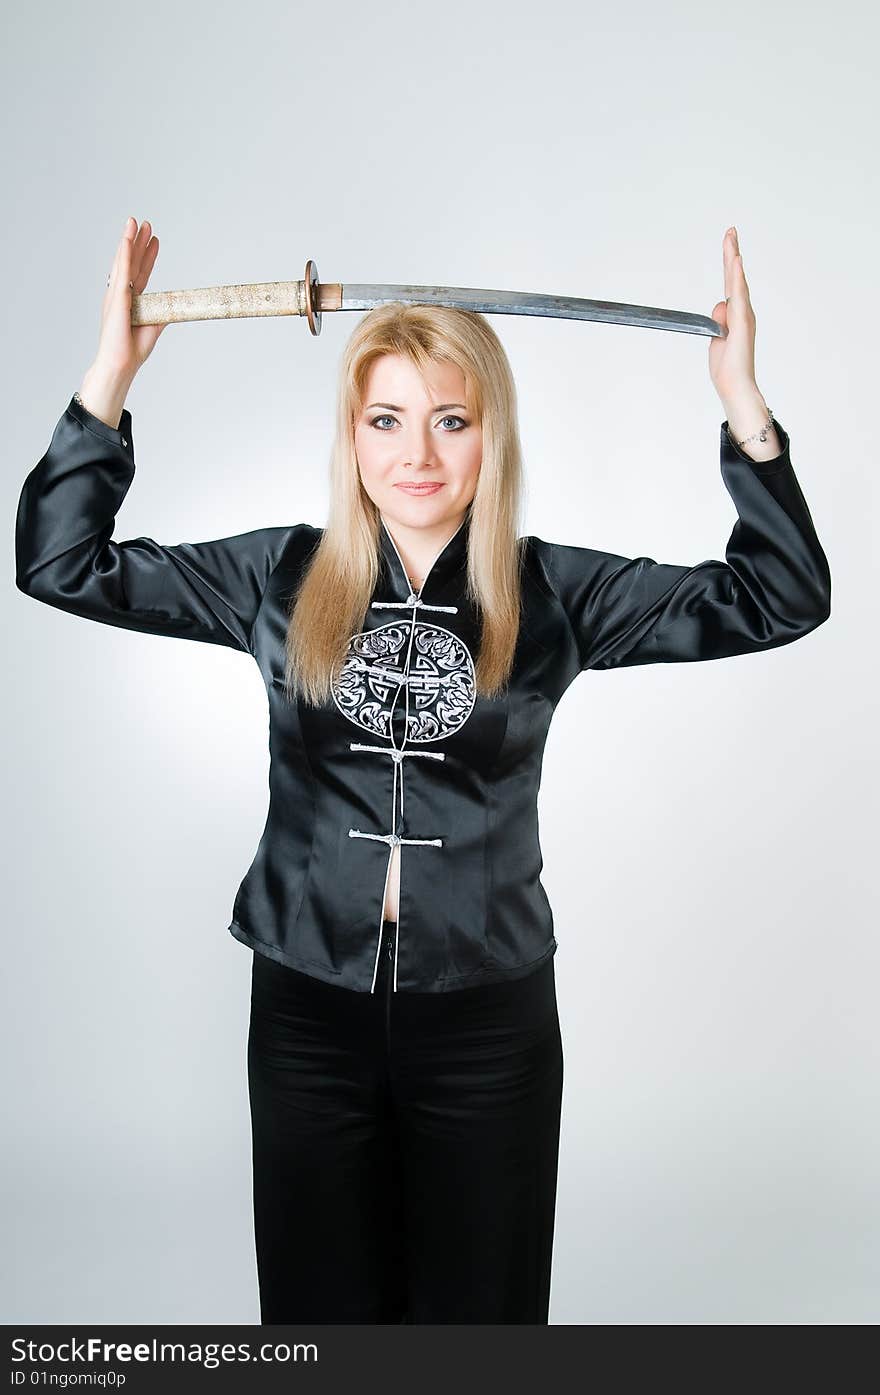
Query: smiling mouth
421,488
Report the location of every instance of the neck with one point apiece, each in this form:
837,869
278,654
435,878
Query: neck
419,547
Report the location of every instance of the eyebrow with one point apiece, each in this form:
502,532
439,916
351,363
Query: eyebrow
442,407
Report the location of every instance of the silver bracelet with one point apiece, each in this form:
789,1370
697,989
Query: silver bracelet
759,435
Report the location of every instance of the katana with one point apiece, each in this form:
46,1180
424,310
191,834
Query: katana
312,298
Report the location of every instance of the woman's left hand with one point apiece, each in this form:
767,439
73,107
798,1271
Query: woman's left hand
732,360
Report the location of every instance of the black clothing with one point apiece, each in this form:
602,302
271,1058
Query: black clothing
405,716
405,1148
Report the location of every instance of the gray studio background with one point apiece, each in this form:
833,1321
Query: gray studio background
709,830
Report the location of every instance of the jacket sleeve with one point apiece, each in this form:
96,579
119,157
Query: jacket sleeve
774,586
65,556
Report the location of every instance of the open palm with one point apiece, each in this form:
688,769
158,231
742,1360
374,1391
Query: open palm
732,360
124,347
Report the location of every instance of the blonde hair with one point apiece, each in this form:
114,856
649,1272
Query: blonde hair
340,578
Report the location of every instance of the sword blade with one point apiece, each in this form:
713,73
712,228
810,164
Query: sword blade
559,307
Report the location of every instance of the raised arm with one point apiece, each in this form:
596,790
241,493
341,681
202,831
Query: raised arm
64,553
774,586
65,556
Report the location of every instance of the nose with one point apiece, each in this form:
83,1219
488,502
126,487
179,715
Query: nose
418,441
420,449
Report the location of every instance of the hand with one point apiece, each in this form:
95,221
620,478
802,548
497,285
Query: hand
732,360
124,348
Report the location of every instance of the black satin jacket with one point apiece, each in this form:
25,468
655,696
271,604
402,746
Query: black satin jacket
407,751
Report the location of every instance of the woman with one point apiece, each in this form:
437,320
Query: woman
404,1055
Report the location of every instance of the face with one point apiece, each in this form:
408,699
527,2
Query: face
406,435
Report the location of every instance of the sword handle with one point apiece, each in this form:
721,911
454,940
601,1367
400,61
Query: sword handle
307,297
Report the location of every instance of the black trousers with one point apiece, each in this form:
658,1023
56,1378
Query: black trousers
405,1148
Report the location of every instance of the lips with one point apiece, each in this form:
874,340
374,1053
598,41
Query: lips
419,488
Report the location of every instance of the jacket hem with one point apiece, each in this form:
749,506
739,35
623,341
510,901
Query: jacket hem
452,983
293,961
494,973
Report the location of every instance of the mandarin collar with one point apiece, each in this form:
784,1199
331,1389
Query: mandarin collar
447,562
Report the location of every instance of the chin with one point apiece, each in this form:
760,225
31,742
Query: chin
410,506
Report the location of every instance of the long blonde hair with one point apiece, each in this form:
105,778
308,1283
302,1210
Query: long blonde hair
341,575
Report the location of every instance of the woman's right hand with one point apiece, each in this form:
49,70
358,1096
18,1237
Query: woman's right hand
123,348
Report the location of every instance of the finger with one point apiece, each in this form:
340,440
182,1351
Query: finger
151,252
138,248
124,277
740,305
739,283
114,270
729,253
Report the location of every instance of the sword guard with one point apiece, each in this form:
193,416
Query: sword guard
312,296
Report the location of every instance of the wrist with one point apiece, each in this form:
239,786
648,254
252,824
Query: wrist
103,393
748,405
747,413
748,420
